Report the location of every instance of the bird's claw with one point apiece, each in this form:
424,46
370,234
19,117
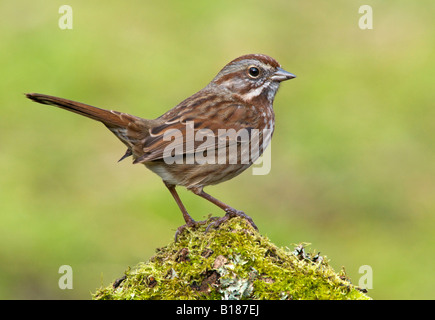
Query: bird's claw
191,224
216,222
231,213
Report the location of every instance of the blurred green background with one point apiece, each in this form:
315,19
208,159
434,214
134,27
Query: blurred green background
353,157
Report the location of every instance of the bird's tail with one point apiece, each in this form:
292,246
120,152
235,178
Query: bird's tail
110,118
129,129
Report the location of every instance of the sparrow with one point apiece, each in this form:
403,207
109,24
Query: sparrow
239,100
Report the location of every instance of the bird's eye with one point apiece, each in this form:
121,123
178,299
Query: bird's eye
253,72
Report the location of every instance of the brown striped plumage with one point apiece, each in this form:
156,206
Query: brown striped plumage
239,98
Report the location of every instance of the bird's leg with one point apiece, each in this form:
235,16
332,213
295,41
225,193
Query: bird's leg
187,218
230,211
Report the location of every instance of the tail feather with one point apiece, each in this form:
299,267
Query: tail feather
129,129
111,118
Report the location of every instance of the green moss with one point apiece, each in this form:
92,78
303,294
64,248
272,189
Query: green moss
232,262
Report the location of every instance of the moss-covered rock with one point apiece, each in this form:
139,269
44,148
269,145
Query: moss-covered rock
232,262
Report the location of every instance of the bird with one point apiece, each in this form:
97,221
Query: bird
233,113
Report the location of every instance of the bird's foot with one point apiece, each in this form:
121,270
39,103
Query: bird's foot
230,213
192,224
214,222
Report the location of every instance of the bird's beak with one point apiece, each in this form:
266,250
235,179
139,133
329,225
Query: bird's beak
282,75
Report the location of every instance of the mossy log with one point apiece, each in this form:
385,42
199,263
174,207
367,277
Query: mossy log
231,262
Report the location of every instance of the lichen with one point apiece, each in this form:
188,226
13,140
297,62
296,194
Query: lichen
231,262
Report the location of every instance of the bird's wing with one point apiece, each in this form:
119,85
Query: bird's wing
190,131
